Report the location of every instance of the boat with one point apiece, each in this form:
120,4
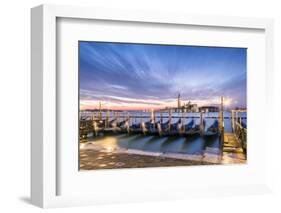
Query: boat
111,127
244,124
136,128
211,130
168,129
191,129
162,127
151,127
117,127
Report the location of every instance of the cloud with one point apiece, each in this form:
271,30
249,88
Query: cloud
126,72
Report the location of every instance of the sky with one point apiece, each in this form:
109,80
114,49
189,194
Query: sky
127,76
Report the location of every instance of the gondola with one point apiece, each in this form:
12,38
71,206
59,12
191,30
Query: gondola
162,127
211,130
168,129
116,127
244,124
136,128
123,127
111,127
191,129
150,127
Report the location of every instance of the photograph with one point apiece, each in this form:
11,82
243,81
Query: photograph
147,105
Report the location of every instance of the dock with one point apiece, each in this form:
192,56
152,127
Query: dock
232,150
231,153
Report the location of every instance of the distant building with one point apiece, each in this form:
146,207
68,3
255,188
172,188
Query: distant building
189,107
179,101
209,109
193,108
182,106
185,107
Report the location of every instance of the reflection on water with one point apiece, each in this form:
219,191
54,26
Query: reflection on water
184,145
135,117
192,145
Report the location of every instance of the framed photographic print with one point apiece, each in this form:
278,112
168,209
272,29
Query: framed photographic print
130,106
149,105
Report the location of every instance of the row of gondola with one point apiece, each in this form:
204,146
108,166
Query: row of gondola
157,127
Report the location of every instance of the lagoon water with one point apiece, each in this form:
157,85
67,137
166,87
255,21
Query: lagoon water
193,145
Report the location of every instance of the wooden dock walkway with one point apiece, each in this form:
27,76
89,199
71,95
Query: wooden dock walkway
232,150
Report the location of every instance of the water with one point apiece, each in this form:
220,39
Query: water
193,145
146,116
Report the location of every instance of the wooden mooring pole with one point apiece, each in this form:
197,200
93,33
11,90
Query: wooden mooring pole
201,122
100,113
182,121
153,118
232,120
80,115
129,122
93,116
236,119
222,126
170,120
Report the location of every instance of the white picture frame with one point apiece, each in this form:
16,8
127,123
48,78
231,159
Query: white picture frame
44,150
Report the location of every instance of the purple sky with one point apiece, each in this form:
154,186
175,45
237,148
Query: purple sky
142,76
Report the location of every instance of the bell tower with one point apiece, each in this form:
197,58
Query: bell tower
179,101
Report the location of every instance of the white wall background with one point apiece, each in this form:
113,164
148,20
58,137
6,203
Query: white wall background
15,98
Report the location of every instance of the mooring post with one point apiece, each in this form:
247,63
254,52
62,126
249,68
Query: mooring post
222,114
236,120
153,119
80,115
129,122
222,126
105,121
118,118
180,126
183,120
240,121
93,116
108,118
170,120
80,123
100,114
201,122
93,122
232,120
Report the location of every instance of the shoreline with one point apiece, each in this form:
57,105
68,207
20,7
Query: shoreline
107,154
93,160
180,156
